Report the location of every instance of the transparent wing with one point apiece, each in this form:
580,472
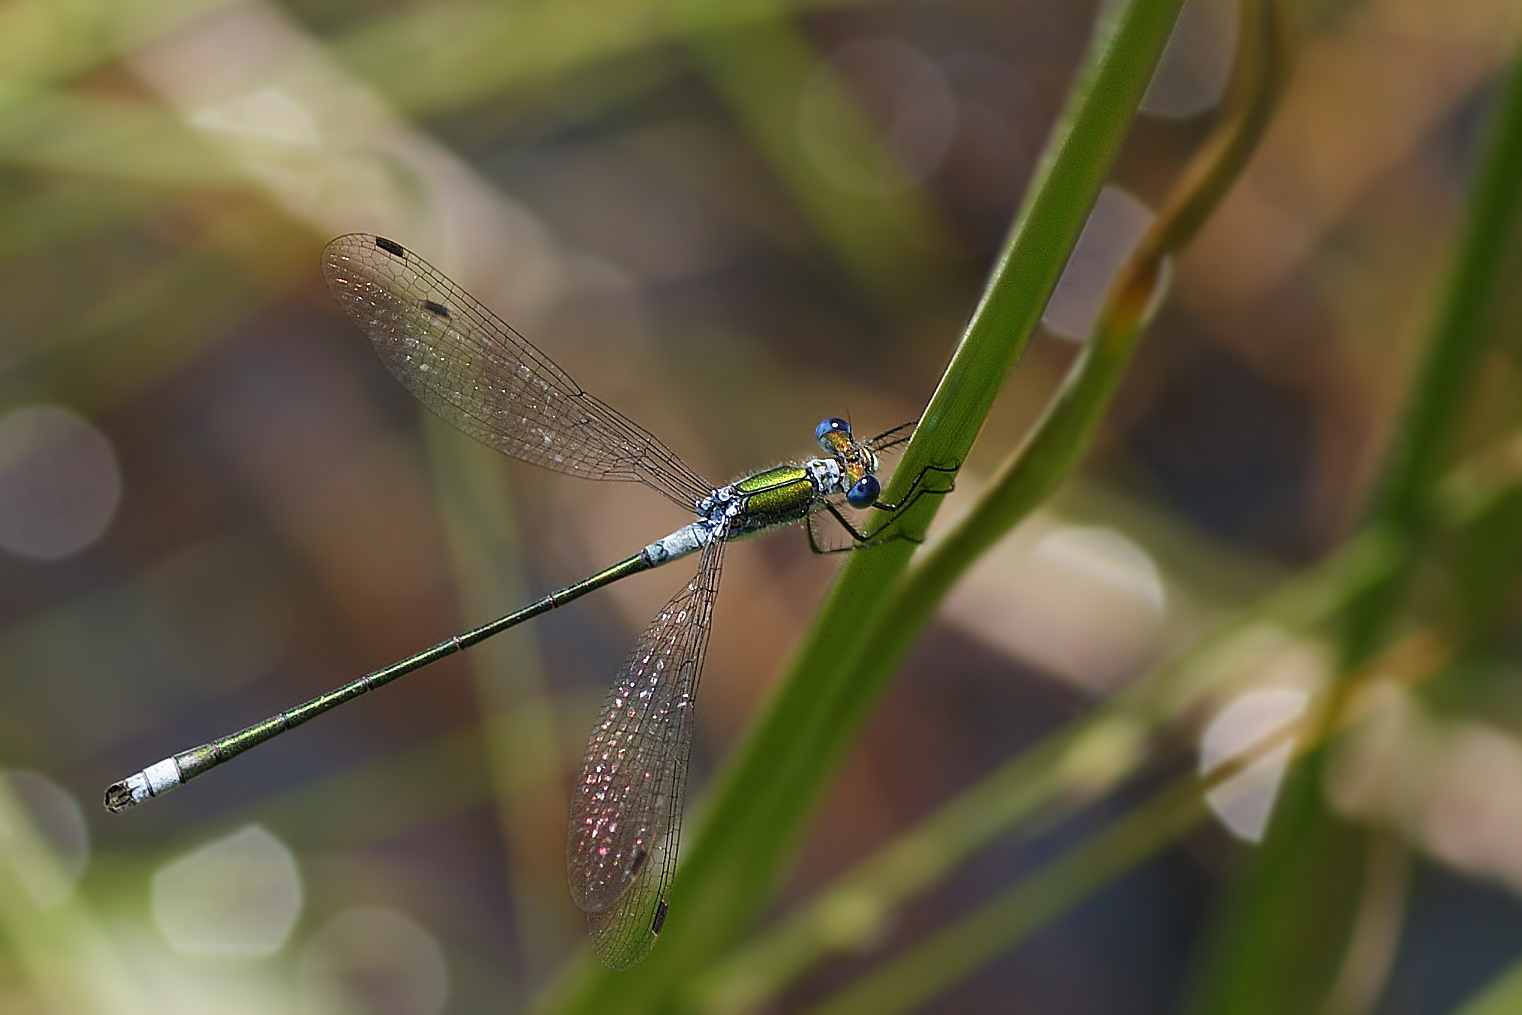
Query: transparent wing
626,808
826,533
467,365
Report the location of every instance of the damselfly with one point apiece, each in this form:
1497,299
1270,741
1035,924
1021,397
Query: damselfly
464,363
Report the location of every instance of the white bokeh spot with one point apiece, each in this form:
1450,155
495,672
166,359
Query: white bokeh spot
239,896
1245,800
43,836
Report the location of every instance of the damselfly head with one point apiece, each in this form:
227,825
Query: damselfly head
864,492
857,461
833,434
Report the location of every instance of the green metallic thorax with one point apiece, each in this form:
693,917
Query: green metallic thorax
774,497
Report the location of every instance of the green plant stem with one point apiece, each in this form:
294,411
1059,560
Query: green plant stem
1425,443
1041,897
1060,438
1293,911
1035,901
759,802
1047,783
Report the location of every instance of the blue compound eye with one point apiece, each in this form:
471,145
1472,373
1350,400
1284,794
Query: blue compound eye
864,493
832,425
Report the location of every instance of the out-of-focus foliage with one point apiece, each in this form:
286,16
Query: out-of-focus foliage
1293,534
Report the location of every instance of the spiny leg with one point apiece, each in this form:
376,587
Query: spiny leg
864,539
859,539
917,489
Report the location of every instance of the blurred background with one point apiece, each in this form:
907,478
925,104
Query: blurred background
729,221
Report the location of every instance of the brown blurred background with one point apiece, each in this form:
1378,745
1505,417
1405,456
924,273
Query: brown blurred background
215,502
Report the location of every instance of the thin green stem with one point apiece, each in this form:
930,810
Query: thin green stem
1049,782
1059,439
1295,907
760,801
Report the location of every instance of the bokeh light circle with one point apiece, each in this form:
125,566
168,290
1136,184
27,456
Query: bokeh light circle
59,482
239,895
43,836
373,959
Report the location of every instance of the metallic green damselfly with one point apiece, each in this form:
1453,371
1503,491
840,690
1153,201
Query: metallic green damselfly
473,370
